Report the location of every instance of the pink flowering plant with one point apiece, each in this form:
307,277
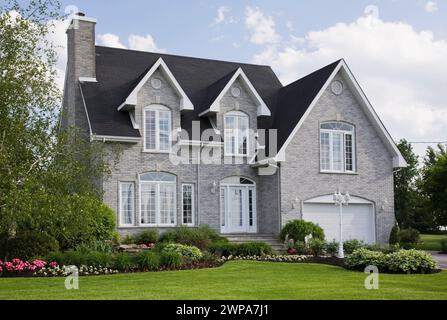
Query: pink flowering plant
17,266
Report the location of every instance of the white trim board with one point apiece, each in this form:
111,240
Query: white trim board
398,160
95,137
263,110
131,100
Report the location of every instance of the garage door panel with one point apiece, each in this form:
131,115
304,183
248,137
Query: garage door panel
358,222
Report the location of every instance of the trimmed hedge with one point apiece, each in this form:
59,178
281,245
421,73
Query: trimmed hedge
201,237
402,261
29,244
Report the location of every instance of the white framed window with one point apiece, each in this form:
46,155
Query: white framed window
126,203
337,148
158,199
188,204
236,129
157,128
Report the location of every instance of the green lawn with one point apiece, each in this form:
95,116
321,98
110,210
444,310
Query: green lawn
431,241
234,280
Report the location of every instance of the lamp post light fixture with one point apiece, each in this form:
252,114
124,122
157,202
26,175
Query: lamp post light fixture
341,200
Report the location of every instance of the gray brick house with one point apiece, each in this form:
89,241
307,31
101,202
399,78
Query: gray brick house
225,144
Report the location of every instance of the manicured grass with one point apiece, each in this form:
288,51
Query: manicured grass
431,241
234,280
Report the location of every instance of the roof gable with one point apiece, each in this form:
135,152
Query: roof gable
131,100
333,70
263,110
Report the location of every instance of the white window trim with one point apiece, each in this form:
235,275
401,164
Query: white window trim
192,205
331,163
120,200
237,154
157,201
157,108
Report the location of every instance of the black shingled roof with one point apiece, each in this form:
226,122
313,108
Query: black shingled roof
118,71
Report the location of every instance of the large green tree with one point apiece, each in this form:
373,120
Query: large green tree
47,177
434,183
405,192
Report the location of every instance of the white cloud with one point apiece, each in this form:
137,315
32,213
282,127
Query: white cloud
223,17
110,40
136,42
261,27
431,6
146,43
403,71
58,38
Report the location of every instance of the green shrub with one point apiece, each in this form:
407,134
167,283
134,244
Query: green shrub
209,257
71,257
394,235
298,230
86,219
409,261
123,261
331,248
147,236
30,244
96,259
385,248
201,237
96,246
409,238
361,258
148,260
444,245
316,246
128,239
301,248
350,246
256,248
171,259
188,253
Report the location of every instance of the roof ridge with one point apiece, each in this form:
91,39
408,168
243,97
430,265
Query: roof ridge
189,57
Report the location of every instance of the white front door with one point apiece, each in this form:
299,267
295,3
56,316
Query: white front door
238,209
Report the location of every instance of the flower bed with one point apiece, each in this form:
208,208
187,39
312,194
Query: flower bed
41,268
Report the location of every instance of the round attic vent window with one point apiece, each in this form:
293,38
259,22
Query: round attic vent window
156,83
236,92
337,87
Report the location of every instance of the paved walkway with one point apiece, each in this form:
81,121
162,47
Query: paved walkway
440,258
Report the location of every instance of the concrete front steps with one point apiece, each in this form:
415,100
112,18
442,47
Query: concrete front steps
270,239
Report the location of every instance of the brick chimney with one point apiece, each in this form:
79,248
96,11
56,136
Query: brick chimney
81,63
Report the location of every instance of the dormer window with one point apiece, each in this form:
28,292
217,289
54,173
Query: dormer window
157,128
236,133
337,148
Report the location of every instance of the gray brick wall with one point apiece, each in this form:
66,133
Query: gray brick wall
301,177
134,162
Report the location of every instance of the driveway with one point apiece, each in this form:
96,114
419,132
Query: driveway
440,258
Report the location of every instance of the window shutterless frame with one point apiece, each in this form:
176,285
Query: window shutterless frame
157,184
329,130
235,135
121,218
189,186
159,112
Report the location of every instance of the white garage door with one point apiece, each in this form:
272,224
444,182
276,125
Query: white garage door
358,220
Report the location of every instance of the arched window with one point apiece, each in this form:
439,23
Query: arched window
158,199
337,148
157,128
236,128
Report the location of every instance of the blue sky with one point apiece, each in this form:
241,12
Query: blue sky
397,49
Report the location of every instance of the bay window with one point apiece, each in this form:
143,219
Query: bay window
236,128
337,149
157,128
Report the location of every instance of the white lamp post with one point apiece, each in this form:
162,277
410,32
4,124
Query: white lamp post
341,200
